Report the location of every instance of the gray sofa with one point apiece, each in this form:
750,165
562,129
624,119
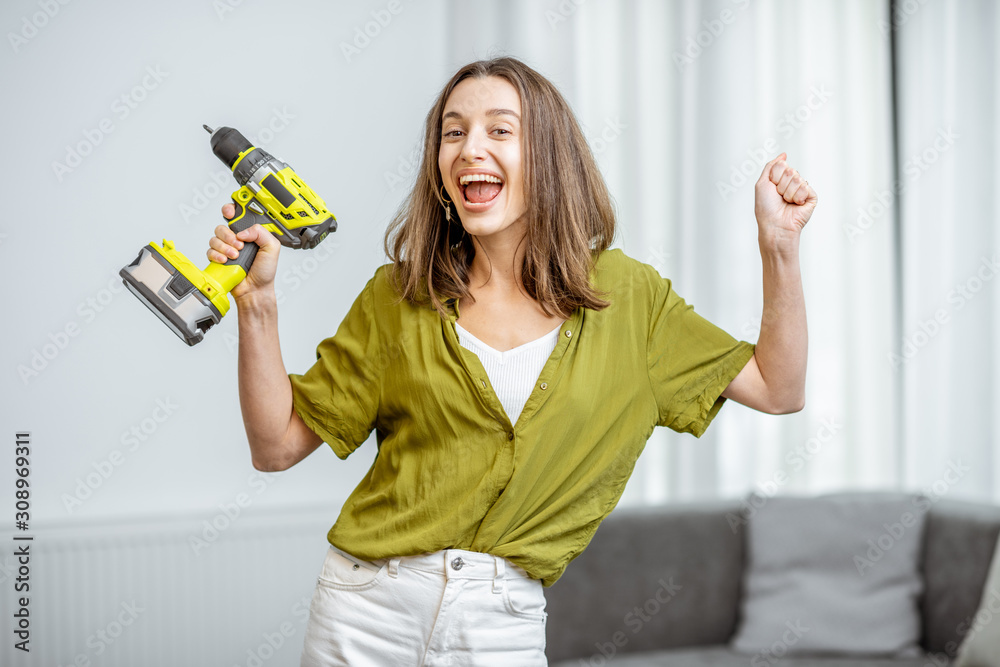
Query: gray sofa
637,554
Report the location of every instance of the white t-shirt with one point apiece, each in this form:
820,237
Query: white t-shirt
512,373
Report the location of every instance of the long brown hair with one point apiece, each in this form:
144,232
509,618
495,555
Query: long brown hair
569,215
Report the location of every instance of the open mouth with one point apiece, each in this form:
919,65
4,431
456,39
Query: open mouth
480,188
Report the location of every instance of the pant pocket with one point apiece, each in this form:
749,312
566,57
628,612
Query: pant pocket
344,572
524,598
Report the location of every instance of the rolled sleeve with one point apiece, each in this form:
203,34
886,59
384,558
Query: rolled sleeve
691,362
338,396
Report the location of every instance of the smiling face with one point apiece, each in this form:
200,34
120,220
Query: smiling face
480,156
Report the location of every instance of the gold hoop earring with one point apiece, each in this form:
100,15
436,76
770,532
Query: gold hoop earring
447,204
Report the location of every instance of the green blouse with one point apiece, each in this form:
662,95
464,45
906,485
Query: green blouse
453,472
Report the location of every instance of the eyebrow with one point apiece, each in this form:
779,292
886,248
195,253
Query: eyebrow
491,112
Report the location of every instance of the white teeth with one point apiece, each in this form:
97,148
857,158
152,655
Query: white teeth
469,178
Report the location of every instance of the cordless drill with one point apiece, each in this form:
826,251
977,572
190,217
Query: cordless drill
189,300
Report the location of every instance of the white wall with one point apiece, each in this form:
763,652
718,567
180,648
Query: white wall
259,67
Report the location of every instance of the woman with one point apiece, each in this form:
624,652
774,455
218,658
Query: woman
512,367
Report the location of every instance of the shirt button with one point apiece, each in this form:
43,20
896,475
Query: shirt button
569,334
457,563
510,436
544,386
484,383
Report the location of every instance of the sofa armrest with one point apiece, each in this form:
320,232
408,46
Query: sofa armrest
651,578
958,547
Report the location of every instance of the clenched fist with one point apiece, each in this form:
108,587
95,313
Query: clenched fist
784,201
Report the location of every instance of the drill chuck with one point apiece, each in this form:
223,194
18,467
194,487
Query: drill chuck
228,144
237,153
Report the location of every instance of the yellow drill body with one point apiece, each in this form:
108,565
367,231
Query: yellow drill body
191,300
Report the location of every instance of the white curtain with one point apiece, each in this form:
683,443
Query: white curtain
684,102
949,140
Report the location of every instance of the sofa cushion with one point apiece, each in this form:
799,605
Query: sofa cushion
837,573
651,578
715,656
981,647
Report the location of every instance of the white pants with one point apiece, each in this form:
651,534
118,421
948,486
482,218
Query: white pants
451,607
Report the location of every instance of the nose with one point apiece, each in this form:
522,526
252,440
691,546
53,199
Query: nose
473,148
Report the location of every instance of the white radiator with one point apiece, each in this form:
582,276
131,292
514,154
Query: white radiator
138,594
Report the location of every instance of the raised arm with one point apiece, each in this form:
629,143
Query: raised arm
773,381
277,435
